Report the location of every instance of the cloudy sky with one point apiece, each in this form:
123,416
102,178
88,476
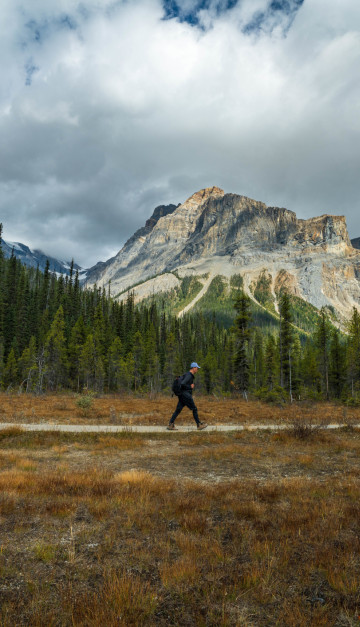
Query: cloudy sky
109,108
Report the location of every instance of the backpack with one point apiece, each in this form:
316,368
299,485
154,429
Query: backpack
176,386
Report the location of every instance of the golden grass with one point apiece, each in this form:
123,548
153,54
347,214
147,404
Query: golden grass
135,541
131,410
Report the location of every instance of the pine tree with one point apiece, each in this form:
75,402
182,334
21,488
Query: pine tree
76,343
137,353
2,289
150,359
10,301
169,371
56,362
129,323
322,339
115,365
27,365
285,342
91,364
337,367
10,371
2,365
270,360
129,373
242,334
354,351
309,368
209,375
258,362
296,366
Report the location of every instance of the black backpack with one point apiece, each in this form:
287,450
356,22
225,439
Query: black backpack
176,386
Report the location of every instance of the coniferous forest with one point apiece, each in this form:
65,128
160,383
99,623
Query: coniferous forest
56,336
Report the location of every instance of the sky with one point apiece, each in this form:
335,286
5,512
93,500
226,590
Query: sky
109,108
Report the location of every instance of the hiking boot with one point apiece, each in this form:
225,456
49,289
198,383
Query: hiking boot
171,427
202,425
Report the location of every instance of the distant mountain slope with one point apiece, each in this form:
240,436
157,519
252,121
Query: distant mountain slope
219,234
356,242
95,273
35,258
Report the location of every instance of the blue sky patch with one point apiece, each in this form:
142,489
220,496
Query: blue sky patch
277,12
174,10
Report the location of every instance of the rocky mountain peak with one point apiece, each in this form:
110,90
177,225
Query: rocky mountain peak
328,231
203,194
216,233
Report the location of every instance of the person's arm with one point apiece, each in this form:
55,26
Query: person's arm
187,380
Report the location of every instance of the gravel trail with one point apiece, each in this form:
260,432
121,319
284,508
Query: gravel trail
46,426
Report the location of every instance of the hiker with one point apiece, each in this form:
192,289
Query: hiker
186,399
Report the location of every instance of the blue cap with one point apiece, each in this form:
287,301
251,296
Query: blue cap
194,365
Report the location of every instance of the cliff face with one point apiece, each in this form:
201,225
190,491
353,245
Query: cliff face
213,232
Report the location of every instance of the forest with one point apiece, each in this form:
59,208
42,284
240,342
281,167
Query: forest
56,336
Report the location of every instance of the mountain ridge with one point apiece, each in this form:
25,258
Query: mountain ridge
36,258
226,234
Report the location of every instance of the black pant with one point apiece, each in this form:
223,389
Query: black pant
185,400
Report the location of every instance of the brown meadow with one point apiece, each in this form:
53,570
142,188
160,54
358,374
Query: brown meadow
157,409
230,529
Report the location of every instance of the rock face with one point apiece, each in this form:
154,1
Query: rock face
217,233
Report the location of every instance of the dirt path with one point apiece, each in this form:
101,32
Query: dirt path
203,291
147,429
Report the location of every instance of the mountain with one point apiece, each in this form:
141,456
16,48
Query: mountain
35,258
95,273
214,234
356,242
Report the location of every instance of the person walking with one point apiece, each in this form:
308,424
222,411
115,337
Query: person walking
186,399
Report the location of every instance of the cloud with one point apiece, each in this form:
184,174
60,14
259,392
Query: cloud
108,109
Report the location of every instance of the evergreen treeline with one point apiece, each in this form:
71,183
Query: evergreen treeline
55,335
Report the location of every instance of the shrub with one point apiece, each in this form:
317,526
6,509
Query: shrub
85,402
276,395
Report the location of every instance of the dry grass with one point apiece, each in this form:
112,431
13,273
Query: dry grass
235,529
130,410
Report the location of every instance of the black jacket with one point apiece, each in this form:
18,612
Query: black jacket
186,383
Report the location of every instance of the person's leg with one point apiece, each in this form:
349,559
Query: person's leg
177,411
191,405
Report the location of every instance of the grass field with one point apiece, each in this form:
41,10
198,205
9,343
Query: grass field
247,528
157,409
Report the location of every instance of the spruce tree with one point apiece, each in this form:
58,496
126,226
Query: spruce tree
27,365
322,339
209,375
115,365
285,342
270,361
10,303
354,351
309,369
150,360
10,371
258,363
137,354
2,288
337,367
76,343
242,334
91,364
55,354
2,365
169,371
